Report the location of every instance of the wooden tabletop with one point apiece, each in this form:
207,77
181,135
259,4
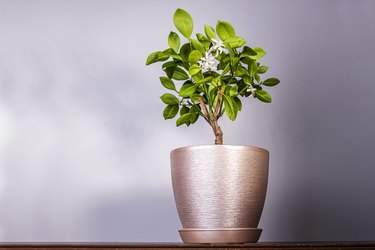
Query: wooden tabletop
260,246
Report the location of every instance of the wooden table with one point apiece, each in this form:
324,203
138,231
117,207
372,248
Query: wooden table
258,246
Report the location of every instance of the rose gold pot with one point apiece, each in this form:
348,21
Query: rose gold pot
219,192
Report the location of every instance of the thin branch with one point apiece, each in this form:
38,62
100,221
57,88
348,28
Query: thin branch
219,101
205,111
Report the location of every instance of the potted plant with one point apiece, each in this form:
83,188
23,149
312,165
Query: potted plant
219,189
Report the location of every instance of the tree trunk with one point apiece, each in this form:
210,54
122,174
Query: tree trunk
218,133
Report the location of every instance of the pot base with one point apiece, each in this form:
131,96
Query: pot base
220,235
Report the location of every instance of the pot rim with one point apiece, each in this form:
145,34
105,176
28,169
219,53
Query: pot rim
229,146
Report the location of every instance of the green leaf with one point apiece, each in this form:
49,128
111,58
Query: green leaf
204,40
263,96
226,69
180,74
195,56
233,90
198,76
230,107
247,52
156,57
187,90
184,119
183,22
204,80
195,98
234,42
194,69
238,103
247,79
271,82
252,68
194,117
170,111
224,30
169,71
167,83
184,110
262,69
241,71
169,99
257,77
174,41
185,51
198,45
210,32
169,64
260,53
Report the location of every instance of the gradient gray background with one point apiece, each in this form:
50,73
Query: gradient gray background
84,150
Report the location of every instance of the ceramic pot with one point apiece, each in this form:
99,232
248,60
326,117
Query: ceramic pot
219,192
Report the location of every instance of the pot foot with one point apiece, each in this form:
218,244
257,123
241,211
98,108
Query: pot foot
220,235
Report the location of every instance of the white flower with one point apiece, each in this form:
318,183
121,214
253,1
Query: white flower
207,62
217,46
252,90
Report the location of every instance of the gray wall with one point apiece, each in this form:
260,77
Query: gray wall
84,150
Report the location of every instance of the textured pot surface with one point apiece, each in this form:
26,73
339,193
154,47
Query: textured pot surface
219,187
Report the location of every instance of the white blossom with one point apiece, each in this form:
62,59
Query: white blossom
207,62
252,90
218,46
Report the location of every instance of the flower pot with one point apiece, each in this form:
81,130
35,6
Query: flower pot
219,192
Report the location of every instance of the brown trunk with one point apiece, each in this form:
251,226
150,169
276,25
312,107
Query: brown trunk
218,133
212,120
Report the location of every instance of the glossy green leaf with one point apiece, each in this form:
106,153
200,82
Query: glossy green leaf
241,71
187,90
170,111
260,53
247,52
233,91
169,64
204,80
262,69
198,76
183,22
194,117
195,56
180,74
247,79
194,69
224,30
257,77
198,45
184,110
185,51
230,107
252,68
226,69
184,119
271,82
238,103
167,83
210,32
169,99
195,98
156,57
174,41
234,42
204,40
263,96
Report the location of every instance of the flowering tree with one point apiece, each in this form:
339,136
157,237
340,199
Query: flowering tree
214,70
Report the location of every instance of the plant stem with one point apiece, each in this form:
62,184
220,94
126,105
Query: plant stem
213,119
218,133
